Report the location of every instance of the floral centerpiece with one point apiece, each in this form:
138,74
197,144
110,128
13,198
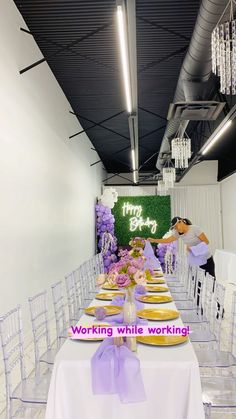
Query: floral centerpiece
137,242
127,273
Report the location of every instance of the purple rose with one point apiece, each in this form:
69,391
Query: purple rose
123,280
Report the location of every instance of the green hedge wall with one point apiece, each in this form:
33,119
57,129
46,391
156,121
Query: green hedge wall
155,207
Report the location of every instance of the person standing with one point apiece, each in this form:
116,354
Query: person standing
191,235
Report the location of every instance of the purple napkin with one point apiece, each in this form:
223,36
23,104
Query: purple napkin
152,262
122,372
198,254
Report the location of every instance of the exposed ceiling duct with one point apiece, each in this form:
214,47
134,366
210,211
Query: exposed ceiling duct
195,83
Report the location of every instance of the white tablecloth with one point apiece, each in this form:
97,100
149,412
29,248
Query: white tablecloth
170,375
225,263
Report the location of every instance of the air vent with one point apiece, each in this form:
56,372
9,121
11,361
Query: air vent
195,111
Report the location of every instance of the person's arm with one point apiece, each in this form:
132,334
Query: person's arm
203,238
166,240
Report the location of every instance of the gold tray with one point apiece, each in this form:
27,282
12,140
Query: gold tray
158,275
93,339
162,340
155,299
158,314
110,287
155,288
156,281
110,310
108,295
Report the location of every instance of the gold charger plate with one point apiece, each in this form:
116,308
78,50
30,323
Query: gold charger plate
155,288
158,275
156,281
155,299
162,340
110,310
93,339
158,314
108,295
110,287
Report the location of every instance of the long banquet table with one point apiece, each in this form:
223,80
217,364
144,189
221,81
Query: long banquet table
170,374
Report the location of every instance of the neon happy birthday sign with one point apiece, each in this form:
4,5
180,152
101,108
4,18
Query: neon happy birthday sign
136,221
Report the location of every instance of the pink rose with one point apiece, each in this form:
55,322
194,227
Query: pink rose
112,278
101,279
123,280
139,278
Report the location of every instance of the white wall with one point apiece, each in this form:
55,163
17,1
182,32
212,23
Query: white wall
204,173
47,186
228,202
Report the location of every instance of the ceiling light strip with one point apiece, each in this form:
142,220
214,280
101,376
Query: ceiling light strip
124,56
217,136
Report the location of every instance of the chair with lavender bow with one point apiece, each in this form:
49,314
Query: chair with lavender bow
28,393
44,352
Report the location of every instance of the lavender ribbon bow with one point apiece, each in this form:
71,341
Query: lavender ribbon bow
122,373
152,262
198,254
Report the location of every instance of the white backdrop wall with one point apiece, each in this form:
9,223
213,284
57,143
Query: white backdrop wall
228,199
47,186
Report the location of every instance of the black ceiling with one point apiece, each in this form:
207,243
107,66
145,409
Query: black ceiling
78,39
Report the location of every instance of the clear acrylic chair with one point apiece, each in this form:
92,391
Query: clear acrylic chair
89,281
201,314
219,395
195,276
80,290
39,320
28,391
59,310
99,262
179,281
210,332
194,291
208,357
75,311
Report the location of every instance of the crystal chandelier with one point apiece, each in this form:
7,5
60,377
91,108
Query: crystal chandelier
223,48
181,151
169,176
161,188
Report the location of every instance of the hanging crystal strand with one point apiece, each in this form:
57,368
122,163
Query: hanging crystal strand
161,187
169,176
217,34
233,58
222,61
213,50
227,58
